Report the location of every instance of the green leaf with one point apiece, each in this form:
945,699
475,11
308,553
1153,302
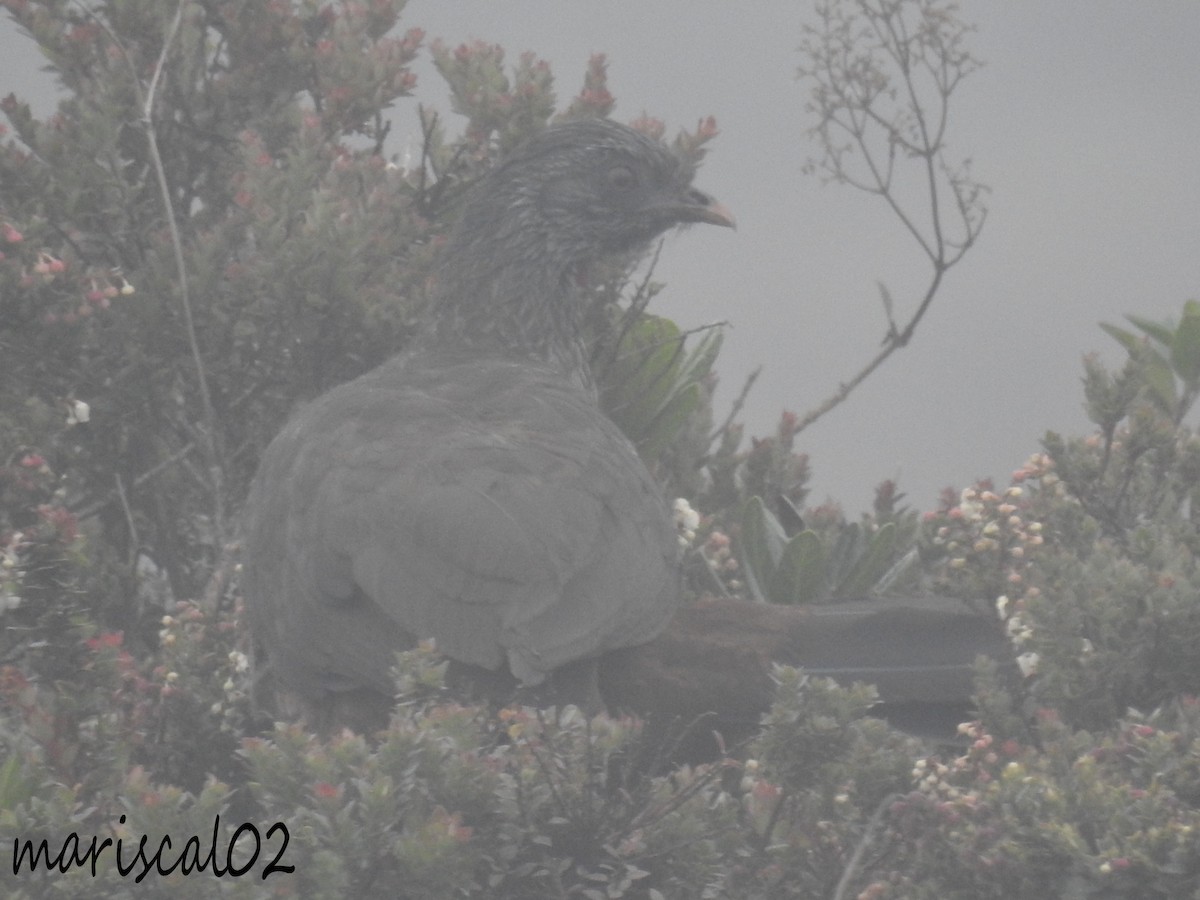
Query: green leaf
846,550
16,786
761,545
652,386
802,575
1127,339
669,421
1185,345
1155,330
872,564
700,360
1157,371
646,367
1160,378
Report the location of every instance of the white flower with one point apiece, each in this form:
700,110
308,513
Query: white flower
1018,630
972,510
685,517
1028,663
78,412
687,520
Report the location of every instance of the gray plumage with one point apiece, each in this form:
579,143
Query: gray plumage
471,490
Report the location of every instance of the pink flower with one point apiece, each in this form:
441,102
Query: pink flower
108,639
323,790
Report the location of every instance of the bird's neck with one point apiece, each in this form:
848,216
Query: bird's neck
501,305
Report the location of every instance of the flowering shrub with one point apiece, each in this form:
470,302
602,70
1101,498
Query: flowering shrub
1090,555
980,543
1074,814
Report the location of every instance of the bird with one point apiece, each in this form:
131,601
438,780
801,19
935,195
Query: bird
470,490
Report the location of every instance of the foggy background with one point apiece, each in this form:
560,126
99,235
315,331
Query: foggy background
1085,123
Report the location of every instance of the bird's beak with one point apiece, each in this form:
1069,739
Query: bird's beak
698,206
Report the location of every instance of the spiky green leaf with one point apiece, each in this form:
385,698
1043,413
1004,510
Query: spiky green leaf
761,546
802,575
1185,345
872,564
1157,331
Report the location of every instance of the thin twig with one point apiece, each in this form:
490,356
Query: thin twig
776,810
208,431
222,573
864,842
637,305
738,403
129,521
86,512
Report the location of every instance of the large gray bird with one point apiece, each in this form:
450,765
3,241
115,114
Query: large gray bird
471,490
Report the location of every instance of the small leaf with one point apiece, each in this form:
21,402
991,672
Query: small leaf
1185,345
1127,339
1155,330
1160,378
15,785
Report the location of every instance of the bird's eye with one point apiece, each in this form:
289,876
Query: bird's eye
621,178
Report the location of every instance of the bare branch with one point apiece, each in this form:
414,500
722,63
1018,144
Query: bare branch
881,74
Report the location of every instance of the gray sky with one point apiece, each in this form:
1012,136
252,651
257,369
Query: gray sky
1085,122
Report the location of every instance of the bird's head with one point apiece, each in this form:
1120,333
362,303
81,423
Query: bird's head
608,187
590,189
577,194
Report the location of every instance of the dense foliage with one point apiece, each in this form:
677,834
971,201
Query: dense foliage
255,139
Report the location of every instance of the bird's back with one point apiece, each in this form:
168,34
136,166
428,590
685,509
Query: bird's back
484,502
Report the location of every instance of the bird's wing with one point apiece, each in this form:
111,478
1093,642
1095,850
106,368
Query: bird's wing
492,508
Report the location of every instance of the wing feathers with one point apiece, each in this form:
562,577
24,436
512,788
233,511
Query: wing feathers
536,538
